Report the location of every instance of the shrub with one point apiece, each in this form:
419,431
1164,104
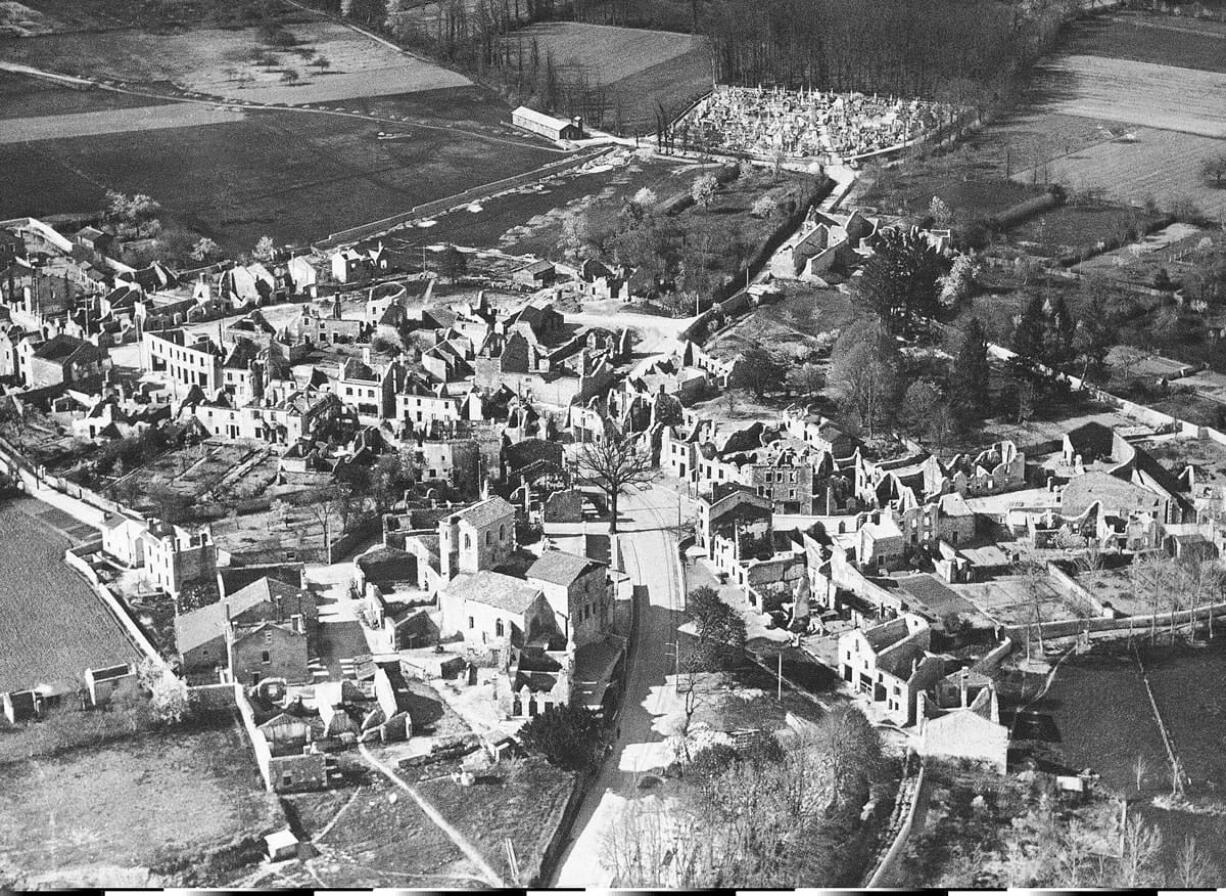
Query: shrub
712,761
567,736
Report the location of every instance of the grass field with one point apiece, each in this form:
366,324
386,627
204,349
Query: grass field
1110,114
104,15
1161,40
54,627
1140,93
1075,229
1163,166
220,61
606,54
25,97
114,121
294,176
639,68
161,801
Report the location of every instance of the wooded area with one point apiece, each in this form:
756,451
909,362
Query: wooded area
960,51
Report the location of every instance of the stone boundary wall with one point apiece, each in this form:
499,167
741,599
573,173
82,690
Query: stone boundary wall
899,827
142,643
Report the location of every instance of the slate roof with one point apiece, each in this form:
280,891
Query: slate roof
493,589
268,590
483,513
196,628
560,567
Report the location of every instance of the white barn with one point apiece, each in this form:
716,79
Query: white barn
546,125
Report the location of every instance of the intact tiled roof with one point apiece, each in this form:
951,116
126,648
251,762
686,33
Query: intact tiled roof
485,512
268,590
560,567
198,627
493,589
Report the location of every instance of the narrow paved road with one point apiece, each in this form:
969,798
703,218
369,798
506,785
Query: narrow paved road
650,559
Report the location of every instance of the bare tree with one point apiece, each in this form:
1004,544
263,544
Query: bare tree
613,466
1141,849
1140,768
335,502
1193,868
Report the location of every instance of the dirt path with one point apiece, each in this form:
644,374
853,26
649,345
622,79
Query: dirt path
462,843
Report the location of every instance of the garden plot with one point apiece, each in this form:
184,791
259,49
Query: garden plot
1012,600
53,625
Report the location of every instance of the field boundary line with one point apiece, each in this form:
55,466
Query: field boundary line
474,855
250,105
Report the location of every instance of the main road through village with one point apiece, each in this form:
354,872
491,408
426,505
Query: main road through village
649,552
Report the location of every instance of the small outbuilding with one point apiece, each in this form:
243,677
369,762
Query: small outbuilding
281,846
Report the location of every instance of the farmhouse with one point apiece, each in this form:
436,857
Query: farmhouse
546,125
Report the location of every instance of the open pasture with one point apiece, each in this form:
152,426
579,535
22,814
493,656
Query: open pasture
115,121
638,68
1163,40
54,626
1139,93
604,53
234,63
291,175
1163,166
22,96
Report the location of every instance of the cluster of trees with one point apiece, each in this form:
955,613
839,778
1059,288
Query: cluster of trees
760,815
902,282
479,39
868,375
132,217
962,52
1047,332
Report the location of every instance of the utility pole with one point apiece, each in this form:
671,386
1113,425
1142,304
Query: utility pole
779,679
